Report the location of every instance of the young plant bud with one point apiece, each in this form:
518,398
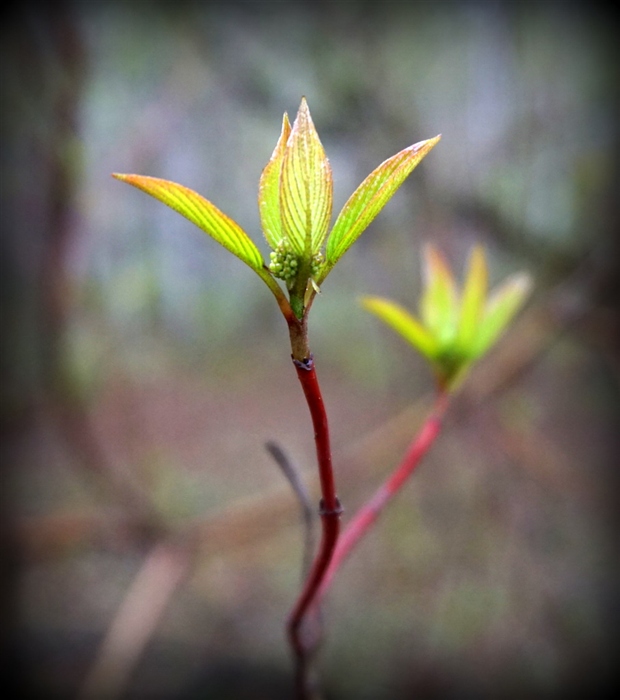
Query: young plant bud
455,328
295,204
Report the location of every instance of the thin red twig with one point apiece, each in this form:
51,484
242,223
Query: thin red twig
370,511
330,520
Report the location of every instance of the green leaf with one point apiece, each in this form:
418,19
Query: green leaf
473,299
399,319
306,187
438,305
500,309
269,190
370,198
202,213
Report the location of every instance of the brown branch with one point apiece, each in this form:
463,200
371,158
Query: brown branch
303,497
137,618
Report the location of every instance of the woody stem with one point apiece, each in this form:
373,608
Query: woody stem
330,510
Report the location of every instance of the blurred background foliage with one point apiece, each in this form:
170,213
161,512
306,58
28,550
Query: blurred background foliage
152,548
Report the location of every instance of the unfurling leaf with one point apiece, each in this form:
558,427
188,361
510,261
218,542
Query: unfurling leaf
454,329
295,206
439,299
202,213
269,190
305,187
370,198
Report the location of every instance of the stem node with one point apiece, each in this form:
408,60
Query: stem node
337,511
307,363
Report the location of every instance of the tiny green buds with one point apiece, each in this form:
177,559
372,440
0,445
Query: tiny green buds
284,262
295,206
454,329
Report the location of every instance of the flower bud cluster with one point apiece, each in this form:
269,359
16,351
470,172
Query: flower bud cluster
317,263
285,262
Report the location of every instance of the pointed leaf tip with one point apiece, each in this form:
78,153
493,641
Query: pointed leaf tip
306,186
370,197
439,298
473,299
201,212
269,189
400,320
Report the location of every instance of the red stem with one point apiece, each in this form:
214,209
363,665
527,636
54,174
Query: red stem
371,510
330,519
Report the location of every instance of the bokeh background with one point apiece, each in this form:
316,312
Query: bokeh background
152,548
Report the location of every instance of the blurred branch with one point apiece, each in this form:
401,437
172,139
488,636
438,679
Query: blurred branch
263,515
540,457
524,345
163,571
118,482
305,504
237,525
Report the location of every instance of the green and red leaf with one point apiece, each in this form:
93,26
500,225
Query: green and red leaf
201,212
370,198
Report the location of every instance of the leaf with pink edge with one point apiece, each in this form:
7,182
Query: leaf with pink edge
369,199
269,190
201,212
